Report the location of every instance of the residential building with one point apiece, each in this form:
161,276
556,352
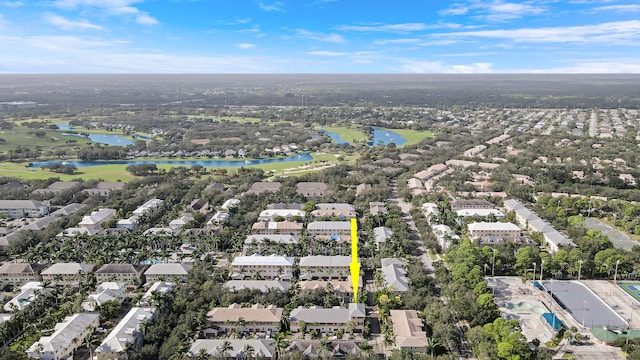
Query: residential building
329,228
179,223
409,330
162,272
288,214
270,243
381,235
328,320
24,208
444,234
362,189
67,273
481,213
272,227
475,151
394,273
272,267
263,285
76,231
480,230
258,188
56,187
257,318
29,292
97,218
127,273
341,214
377,207
431,211
158,287
68,335
320,267
342,289
430,172
229,204
262,348
335,206
471,204
338,349
127,331
19,273
104,188
312,189
107,291
148,208
198,205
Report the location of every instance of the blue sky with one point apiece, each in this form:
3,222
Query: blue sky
319,36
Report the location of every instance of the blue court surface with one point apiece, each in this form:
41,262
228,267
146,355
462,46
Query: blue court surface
584,306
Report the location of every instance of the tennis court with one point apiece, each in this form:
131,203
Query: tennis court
583,304
631,288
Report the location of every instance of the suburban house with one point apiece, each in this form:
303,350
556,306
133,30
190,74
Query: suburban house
288,214
343,289
311,189
272,227
97,218
24,208
56,188
530,221
257,318
148,208
104,188
270,243
158,287
262,348
320,267
68,335
338,349
127,331
162,272
362,189
377,207
329,228
179,223
263,285
28,293
335,206
107,291
260,187
127,273
381,235
256,266
480,230
481,213
333,213
229,204
76,231
67,273
394,273
19,273
409,330
430,172
471,204
328,320
198,205
431,211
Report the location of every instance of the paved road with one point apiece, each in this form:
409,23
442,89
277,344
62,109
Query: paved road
421,251
619,239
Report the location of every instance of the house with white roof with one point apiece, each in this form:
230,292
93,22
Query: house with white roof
479,230
262,348
445,235
127,273
148,208
229,204
319,267
272,243
107,291
68,335
180,222
288,214
409,330
29,292
263,285
24,208
342,289
381,235
481,213
394,273
127,331
76,231
280,227
270,267
159,287
329,228
97,218
19,273
328,320
161,272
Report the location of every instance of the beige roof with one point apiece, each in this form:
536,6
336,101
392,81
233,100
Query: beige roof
68,269
16,268
257,313
408,328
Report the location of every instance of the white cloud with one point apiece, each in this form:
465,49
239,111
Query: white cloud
67,24
397,41
423,67
618,32
334,38
245,46
326,53
272,7
407,27
595,67
634,8
13,4
110,7
494,11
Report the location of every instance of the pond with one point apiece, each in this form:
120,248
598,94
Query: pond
204,162
380,137
115,140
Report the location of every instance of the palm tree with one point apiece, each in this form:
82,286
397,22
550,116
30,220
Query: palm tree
90,341
225,348
280,342
249,351
325,347
366,348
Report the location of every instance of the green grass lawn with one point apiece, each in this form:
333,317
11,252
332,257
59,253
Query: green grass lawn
347,134
119,172
24,137
413,136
